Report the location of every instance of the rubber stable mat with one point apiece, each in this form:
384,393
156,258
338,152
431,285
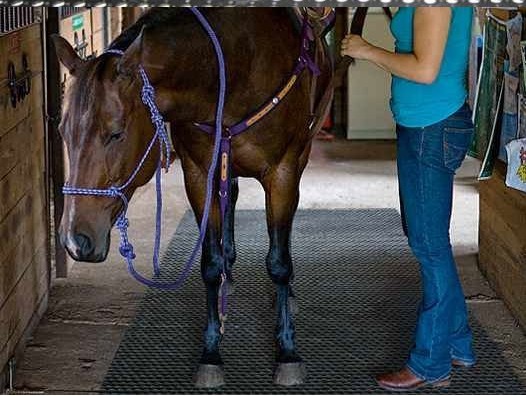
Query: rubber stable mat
357,287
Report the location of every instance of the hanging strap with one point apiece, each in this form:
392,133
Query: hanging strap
304,61
357,25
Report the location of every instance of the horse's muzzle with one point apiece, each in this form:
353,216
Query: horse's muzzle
81,247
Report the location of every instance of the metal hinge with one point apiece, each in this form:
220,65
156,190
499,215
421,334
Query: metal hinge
10,380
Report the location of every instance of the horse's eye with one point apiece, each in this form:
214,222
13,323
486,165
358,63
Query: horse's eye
115,136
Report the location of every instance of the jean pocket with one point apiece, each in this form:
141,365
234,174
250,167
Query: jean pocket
456,145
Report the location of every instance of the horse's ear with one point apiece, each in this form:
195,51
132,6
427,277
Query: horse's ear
131,59
66,54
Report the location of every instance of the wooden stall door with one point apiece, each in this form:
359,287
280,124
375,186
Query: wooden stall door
24,247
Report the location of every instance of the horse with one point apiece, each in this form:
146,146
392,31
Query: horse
106,128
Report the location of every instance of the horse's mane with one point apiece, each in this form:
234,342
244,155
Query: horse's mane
152,18
87,77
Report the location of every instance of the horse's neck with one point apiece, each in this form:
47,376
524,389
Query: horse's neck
186,67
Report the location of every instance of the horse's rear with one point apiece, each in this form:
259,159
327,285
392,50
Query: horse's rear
261,47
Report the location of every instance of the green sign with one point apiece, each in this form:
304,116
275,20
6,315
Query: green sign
78,22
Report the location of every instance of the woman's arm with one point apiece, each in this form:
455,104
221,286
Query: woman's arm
430,31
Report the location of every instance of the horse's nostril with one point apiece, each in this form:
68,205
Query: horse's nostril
83,242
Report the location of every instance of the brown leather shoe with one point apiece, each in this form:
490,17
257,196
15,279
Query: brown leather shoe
404,380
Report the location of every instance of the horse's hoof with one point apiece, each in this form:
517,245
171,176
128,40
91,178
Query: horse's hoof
290,374
209,376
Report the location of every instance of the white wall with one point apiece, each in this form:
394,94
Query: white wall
368,113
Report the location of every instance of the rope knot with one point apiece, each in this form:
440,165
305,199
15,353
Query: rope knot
126,251
148,91
158,120
114,192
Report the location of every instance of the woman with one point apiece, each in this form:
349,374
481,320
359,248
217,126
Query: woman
434,131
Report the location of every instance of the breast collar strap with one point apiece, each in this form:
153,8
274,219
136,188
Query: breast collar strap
303,62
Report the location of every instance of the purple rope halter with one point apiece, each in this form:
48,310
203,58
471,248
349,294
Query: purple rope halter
160,135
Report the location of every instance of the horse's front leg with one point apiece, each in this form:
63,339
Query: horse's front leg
210,371
228,238
282,195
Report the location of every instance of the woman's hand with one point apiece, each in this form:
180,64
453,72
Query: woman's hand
430,32
355,47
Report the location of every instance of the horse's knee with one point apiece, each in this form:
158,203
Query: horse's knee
279,268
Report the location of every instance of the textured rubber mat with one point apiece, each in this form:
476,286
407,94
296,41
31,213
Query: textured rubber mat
357,288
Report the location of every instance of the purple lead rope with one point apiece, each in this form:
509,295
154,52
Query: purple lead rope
122,223
217,146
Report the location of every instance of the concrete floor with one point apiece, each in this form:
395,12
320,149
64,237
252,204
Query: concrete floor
89,311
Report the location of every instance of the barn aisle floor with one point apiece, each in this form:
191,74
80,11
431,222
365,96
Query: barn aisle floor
90,310
357,305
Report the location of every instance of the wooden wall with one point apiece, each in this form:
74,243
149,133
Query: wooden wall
502,241
24,251
115,22
98,30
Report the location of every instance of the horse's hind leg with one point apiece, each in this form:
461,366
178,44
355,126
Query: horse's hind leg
210,371
228,238
282,196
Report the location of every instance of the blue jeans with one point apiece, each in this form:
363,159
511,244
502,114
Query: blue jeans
427,160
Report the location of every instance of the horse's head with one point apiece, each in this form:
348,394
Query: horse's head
106,129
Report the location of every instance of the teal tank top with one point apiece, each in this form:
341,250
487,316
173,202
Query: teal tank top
418,105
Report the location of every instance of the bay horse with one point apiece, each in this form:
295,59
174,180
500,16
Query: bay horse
106,128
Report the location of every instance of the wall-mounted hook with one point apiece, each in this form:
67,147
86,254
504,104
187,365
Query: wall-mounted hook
19,86
11,78
80,46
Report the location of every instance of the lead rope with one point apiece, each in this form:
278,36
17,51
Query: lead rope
222,300
122,222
